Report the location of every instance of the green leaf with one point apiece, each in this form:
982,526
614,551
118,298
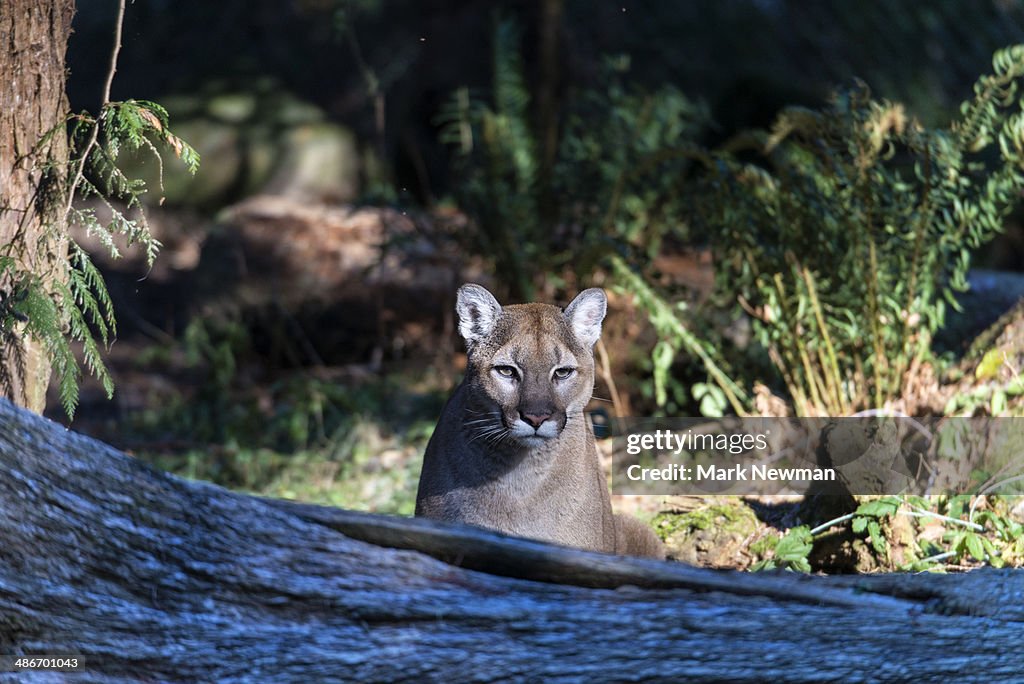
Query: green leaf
957,542
957,504
974,546
879,508
998,403
662,356
990,364
765,564
712,399
794,548
878,541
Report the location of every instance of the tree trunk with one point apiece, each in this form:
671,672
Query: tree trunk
33,36
549,76
147,577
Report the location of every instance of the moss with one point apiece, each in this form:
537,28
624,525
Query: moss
723,516
762,546
713,534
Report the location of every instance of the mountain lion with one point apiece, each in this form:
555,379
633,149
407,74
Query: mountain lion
514,450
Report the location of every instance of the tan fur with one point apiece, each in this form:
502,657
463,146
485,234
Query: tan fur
514,450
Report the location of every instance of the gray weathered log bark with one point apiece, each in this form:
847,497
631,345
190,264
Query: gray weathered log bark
152,578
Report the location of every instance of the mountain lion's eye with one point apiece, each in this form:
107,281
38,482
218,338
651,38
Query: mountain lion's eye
505,371
563,373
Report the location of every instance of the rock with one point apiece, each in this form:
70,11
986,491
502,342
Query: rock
866,454
707,531
266,142
319,162
991,295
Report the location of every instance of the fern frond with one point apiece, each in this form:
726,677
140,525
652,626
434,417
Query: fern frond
675,334
134,122
992,92
509,122
75,304
88,292
457,119
45,322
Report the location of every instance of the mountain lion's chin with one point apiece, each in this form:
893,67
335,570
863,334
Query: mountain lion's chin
529,436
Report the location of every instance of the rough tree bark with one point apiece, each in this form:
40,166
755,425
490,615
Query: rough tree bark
152,578
33,38
549,27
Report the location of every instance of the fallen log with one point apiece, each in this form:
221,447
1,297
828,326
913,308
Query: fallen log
147,577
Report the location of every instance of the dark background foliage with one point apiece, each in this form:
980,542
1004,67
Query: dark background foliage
746,58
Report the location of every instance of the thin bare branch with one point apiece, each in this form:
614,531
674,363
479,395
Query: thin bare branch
94,136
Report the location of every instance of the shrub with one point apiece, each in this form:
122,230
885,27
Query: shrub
844,233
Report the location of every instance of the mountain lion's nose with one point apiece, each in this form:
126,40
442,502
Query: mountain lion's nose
534,419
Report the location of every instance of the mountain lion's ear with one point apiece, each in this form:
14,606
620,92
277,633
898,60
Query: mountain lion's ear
585,314
478,311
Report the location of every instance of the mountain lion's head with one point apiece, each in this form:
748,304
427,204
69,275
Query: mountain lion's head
530,366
